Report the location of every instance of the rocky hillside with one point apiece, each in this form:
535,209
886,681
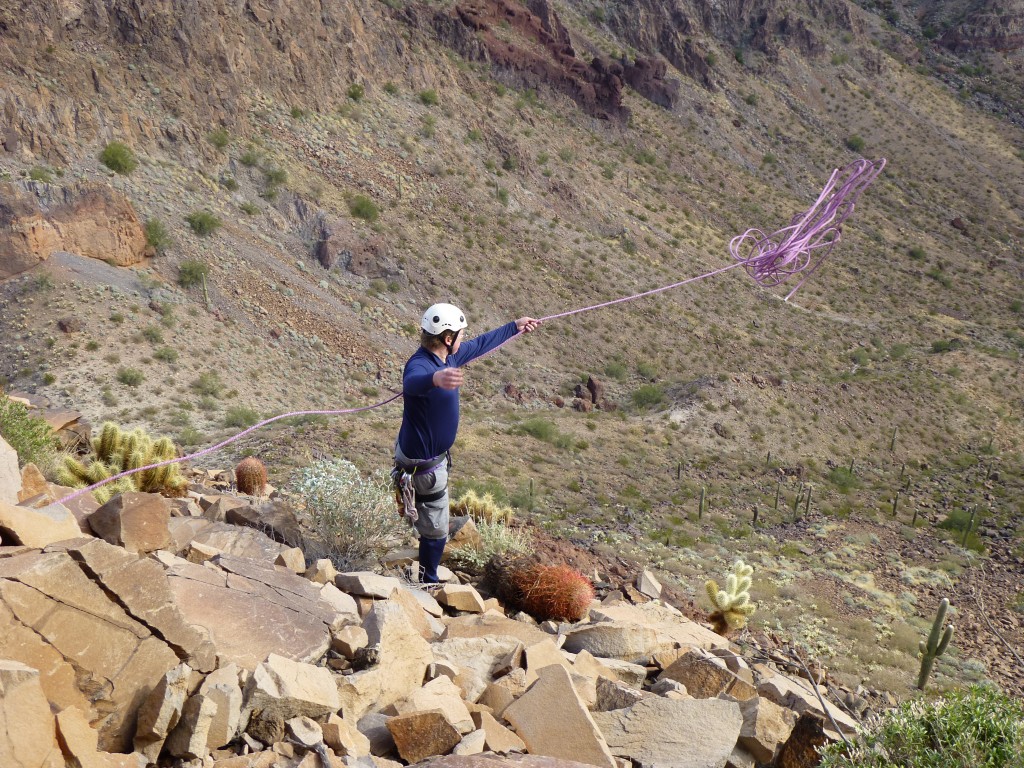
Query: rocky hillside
295,185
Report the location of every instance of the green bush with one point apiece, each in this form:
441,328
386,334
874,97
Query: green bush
250,158
502,195
390,88
346,517
192,272
980,727
208,384
249,208
39,173
855,143
30,436
496,539
119,158
130,377
219,138
363,208
429,97
153,335
843,479
166,354
615,370
203,223
916,253
239,416
648,395
356,92
542,429
157,236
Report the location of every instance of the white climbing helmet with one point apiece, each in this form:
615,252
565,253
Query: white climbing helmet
443,317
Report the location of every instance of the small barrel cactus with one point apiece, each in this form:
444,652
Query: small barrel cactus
555,592
732,604
251,476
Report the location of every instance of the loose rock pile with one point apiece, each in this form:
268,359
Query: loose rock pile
165,631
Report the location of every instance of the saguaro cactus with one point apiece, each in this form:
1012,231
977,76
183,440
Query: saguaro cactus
938,640
732,604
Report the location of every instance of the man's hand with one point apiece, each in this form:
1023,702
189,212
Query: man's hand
448,378
527,324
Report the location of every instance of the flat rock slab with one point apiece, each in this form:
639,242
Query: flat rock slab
249,617
689,733
551,719
367,584
37,527
90,653
490,624
496,761
27,735
673,628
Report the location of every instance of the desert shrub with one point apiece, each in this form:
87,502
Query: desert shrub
239,416
166,354
208,384
157,236
843,479
980,727
192,272
130,377
540,428
153,335
346,517
30,436
855,143
648,395
203,223
916,252
390,88
219,138
363,208
429,97
40,173
251,476
249,158
615,370
496,539
119,158
248,208
356,92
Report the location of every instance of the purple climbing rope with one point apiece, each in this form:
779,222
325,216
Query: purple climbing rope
769,259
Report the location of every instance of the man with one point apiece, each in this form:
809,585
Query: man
430,421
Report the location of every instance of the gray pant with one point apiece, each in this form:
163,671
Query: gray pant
433,515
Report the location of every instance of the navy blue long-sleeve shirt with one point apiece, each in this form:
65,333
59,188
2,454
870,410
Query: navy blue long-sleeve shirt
430,418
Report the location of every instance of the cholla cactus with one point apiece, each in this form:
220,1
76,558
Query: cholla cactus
116,451
732,604
482,508
938,640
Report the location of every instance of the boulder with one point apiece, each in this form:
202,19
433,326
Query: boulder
348,640
628,641
321,572
28,738
461,597
479,660
440,695
428,627
551,720
801,748
188,739
493,761
675,734
37,527
274,518
611,695
632,675
706,677
293,560
161,711
366,584
798,695
90,653
305,732
339,602
402,659
239,542
219,509
473,743
136,521
10,475
497,737
344,738
78,741
280,689
420,735
252,610
32,481
647,584
766,725
673,629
